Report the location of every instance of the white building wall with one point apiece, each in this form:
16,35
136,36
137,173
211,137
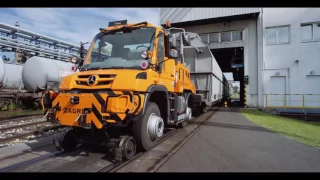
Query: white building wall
282,74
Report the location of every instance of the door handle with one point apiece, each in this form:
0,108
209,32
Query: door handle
171,75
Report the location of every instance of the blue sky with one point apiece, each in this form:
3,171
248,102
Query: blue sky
75,25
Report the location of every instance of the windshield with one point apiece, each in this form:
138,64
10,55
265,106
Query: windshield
121,49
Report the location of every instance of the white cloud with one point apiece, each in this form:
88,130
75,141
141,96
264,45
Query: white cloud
74,24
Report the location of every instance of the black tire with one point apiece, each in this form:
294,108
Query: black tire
69,141
140,131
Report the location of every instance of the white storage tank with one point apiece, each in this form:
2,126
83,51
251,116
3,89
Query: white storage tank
12,76
1,70
37,71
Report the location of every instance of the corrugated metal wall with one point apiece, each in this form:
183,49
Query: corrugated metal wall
191,14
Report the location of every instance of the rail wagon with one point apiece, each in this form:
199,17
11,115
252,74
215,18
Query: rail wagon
23,84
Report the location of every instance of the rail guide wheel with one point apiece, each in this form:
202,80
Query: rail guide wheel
126,149
66,142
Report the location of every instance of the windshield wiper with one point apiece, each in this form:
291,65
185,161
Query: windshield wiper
94,68
117,67
112,67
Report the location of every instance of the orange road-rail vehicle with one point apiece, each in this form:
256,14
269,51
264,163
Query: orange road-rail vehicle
131,85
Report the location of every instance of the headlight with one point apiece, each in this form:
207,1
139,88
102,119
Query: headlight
144,54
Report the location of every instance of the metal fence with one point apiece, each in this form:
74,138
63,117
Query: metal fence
293,101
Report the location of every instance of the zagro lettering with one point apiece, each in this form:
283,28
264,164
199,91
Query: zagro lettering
72,110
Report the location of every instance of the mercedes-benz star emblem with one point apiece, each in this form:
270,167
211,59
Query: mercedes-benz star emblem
91,80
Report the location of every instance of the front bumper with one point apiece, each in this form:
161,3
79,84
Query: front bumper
97,108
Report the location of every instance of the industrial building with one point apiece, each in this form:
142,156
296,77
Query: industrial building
278,49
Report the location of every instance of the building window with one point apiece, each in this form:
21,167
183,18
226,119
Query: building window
277,35
310,32
271,36
283,35
229,36
237,36
204,38
226,37
214,38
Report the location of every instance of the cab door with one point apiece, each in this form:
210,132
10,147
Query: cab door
167,71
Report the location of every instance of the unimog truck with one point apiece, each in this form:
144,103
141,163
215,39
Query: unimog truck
132,83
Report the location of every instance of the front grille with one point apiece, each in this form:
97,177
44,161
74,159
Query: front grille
103,79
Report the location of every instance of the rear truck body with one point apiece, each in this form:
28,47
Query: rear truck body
133,82
212,87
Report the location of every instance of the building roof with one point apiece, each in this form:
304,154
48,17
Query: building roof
177,15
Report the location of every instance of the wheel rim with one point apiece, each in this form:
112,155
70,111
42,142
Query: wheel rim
155,127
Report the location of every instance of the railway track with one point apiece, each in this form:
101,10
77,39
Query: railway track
23,125
116,168
22,128
113,167
25,135
6,118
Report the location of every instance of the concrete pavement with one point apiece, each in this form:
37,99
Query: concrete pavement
228,142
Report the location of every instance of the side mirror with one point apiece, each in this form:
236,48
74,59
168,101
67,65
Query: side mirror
82,54
75,60
173,54
173,40
186,39
82,51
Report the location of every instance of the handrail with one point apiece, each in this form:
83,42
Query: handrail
292,101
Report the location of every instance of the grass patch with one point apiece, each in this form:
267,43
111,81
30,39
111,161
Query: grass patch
19,113
305,132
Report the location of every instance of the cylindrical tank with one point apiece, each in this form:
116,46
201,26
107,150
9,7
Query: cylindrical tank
12,76
37,71
1,70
